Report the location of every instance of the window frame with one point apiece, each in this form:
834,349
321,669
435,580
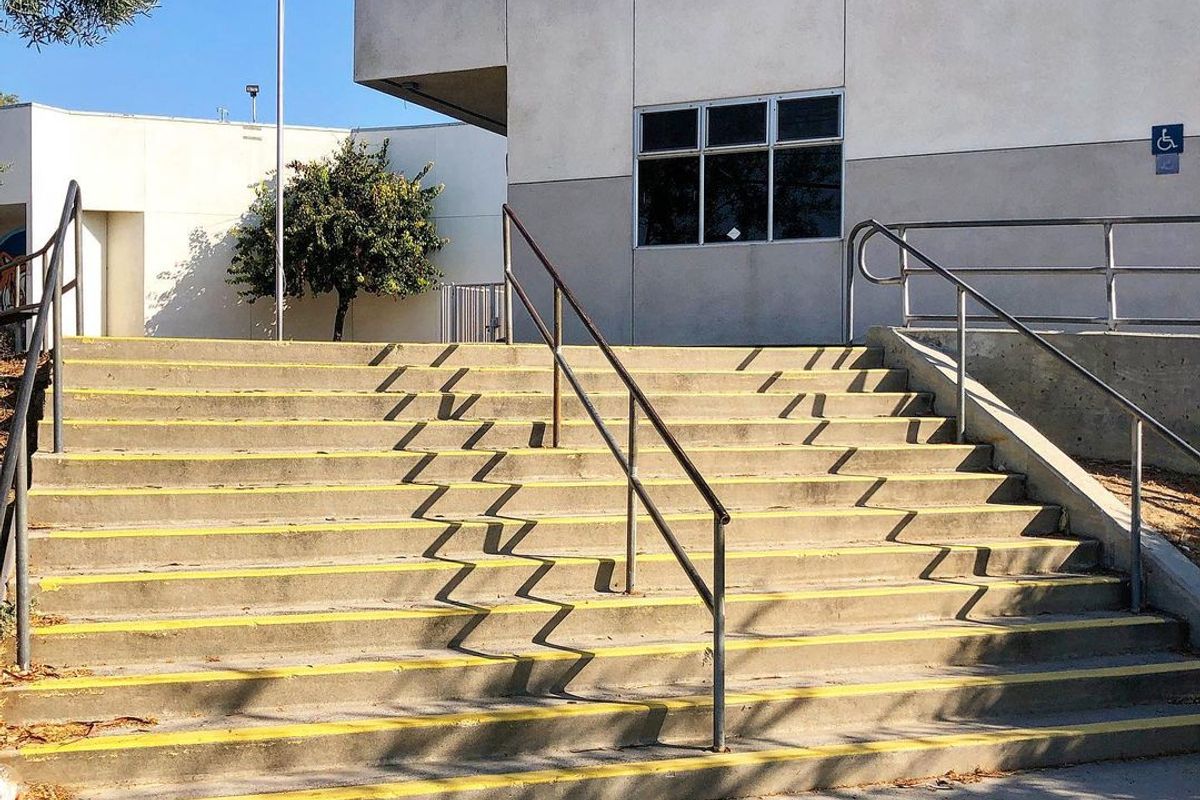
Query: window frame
770,146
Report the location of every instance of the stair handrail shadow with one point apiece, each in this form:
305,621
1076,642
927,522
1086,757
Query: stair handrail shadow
714,597
856,258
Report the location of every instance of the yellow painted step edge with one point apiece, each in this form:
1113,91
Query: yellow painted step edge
954,631
547,452
263,393
948,477
266,733
707,761
55,583
250,621
464,423
488,524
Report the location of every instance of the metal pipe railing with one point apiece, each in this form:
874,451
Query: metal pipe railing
857,261
14,474
714,597
1110,270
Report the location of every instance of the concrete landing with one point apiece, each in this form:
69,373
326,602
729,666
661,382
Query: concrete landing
1145,779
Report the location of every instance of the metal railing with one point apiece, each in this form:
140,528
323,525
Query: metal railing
714,597
471,312
15,468
1140,418
1110,270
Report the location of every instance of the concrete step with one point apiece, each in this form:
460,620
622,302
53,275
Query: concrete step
171,589
770,766
250,404
158,436
114,469
267,683
403,733
562,620
64,549
93,373
51,507
468,355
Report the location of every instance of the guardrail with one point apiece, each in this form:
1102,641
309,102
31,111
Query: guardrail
856,260
1110,270
15,470
714,597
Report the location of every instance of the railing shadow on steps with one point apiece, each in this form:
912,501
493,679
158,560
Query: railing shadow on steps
856,260
15,471
714,596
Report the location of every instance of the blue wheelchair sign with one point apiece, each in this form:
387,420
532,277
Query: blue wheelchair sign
1166,139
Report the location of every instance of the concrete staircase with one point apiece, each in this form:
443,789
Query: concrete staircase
352,572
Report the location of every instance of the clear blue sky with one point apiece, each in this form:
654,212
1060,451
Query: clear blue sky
192,56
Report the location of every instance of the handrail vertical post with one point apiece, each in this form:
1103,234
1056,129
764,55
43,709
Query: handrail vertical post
508,290
905,301
47,344
78,270
21,524
631,531
1110,275
1135,518
960,421
56,319
718,596
557,410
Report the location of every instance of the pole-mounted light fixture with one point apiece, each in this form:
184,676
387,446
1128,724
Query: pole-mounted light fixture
252,90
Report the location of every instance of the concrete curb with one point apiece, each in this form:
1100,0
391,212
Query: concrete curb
1172,581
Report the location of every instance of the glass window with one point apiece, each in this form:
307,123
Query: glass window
741,124
810,118
670,130
808,192
735,197
669,201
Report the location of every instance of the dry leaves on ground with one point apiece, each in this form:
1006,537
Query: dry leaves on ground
1170,500
17,736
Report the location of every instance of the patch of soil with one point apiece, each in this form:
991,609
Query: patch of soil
1170,500
949,780
46,791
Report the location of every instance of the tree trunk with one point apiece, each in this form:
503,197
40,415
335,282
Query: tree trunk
339,322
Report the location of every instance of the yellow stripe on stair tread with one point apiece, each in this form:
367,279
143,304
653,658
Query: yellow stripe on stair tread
54,583
468,423
262,393
374,615
954,631
486,524
403,368
309,730
706,761
984,477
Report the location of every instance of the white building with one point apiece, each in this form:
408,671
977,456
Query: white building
161,195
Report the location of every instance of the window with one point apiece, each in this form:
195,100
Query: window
755,170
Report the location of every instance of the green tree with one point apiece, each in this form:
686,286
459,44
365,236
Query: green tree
82,22
350,226
7,99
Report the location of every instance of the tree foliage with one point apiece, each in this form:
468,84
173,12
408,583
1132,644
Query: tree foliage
82,22
7,99
350,226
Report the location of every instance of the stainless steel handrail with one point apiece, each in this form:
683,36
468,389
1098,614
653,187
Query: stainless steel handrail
856,259
1110,269
16,454
713,598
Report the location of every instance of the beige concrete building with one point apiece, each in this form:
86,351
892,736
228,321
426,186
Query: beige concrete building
161,195
695,167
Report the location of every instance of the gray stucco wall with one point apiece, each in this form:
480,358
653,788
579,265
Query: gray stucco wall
1156,371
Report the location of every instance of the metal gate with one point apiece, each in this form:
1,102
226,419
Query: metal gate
473,312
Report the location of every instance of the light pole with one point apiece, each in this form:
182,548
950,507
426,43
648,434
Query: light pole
279,286
252,90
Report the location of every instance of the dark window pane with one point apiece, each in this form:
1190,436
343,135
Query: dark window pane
669,201
741,124
808,192
735,197
669,130
809,118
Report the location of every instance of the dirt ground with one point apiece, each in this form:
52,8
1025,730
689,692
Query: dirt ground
1170,500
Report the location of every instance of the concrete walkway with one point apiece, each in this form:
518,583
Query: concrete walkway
1150,779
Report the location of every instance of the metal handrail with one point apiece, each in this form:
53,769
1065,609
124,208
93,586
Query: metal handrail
856,257
16,453
714,597
1110,269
